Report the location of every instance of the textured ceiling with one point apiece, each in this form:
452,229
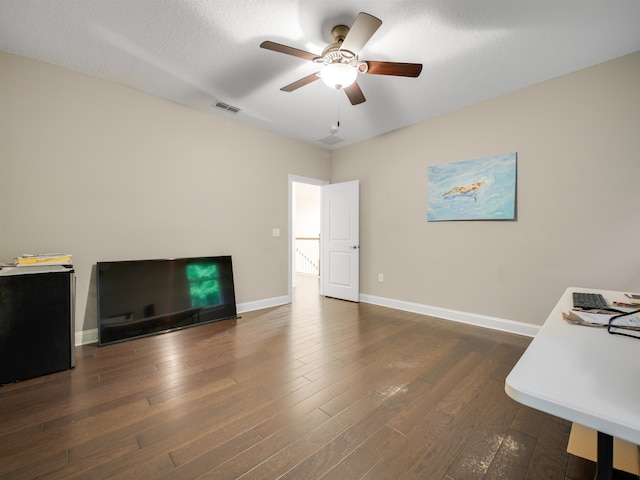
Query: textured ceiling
197,52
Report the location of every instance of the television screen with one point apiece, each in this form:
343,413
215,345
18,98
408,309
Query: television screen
137,298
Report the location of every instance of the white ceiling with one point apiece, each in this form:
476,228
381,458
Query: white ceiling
197,52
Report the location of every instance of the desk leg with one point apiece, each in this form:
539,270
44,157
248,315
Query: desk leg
604,469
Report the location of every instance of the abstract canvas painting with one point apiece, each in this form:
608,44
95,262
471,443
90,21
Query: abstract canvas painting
480,189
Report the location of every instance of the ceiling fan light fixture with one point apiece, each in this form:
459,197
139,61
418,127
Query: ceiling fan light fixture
338,75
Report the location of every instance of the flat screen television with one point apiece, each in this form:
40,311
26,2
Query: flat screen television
137,298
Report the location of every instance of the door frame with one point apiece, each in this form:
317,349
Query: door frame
296,179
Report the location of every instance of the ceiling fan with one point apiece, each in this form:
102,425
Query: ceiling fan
340,62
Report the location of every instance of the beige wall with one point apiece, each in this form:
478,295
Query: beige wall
107,173
578,199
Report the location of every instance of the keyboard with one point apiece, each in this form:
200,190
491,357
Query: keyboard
589,300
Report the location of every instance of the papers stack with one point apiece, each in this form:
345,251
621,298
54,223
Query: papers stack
43,259
627,324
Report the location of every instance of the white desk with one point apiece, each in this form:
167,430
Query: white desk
582,374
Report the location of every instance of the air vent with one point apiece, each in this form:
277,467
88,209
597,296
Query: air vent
331,140
226,106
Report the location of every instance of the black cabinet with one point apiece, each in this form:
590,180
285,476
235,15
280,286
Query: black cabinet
37,307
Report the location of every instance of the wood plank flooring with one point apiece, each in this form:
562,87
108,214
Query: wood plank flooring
319,389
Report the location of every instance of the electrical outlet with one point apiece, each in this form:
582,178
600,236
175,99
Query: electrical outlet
380,277
276,232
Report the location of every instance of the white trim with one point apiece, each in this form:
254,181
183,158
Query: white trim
260,304
494,323
526,329
86,337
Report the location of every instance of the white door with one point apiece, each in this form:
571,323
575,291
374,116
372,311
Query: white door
340,242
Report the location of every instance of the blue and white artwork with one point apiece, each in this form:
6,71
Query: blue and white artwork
480,189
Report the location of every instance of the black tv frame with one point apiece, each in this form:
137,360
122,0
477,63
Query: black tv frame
139,298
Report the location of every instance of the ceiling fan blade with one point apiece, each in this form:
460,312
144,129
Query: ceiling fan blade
362,30
354,94
394,68
277,47
301,83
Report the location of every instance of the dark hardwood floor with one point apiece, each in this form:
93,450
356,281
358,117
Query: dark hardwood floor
319,389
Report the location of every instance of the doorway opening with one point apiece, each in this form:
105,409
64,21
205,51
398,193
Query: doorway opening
305,209
306,229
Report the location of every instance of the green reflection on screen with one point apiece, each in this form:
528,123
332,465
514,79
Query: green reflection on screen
204,286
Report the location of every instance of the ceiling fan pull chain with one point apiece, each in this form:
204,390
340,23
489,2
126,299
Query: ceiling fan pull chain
334,128
337,110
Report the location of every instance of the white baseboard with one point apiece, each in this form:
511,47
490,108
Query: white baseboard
86,337
260,304
485,321
91,336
